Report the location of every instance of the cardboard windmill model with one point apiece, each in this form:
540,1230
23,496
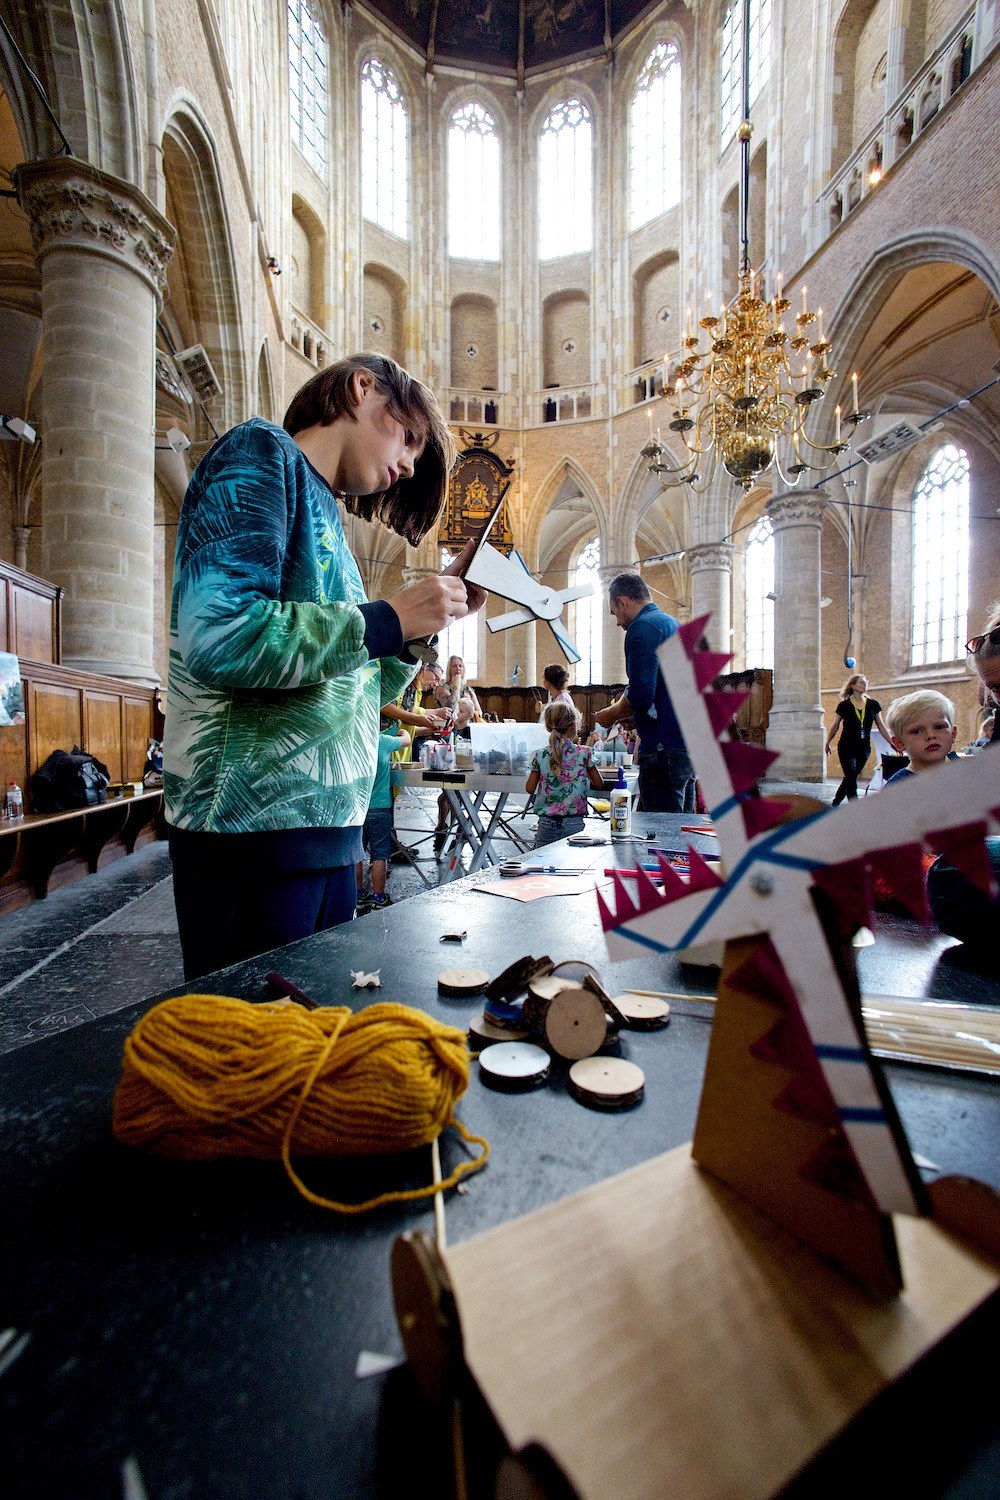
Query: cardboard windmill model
509,577
687,1328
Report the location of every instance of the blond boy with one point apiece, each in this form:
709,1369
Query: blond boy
923,727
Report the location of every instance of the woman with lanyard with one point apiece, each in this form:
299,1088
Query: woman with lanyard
856,713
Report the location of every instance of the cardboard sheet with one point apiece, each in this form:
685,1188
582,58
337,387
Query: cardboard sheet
662,1338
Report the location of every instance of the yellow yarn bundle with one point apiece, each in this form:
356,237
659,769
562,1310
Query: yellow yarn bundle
206,1076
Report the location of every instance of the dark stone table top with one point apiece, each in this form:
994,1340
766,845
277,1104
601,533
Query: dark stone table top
206,1321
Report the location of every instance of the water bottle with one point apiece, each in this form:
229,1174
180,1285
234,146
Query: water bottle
15,802
621,809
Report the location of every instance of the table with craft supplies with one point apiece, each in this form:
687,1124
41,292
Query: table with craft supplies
174,1328
477,800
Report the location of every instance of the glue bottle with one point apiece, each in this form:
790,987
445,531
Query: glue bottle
621,809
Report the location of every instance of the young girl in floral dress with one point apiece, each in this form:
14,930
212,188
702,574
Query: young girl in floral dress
562,774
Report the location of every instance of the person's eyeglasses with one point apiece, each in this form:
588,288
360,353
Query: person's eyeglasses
993,636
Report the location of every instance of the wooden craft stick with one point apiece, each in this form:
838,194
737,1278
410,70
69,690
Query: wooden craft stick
439,1228
666,994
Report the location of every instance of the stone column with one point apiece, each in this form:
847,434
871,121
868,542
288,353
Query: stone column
613,637
795,727
711,569
102,250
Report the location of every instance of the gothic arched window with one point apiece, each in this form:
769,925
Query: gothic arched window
731,73
588,614
473,185
565,174
462,636
384,149
940,567
654,137
307,86
759,612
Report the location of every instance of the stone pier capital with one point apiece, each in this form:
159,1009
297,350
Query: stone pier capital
710,555
797,509
73,206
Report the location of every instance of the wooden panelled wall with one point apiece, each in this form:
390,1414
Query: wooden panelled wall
30,615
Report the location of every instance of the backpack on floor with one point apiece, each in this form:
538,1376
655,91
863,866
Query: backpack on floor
68,780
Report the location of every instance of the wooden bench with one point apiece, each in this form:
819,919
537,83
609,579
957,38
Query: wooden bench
34,848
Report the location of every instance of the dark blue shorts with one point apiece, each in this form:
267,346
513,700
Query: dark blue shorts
378,832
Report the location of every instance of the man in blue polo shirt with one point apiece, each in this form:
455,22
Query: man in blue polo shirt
666,774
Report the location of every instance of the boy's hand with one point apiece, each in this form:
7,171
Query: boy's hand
476,595
430,605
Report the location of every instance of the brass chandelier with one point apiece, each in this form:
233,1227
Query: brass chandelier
740,401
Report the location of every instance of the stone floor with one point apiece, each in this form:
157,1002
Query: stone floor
99,944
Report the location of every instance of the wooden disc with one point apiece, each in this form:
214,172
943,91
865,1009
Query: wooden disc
642,1012
574,1024
606,1082
460,983
548,986
484,1033
514,1067
575,969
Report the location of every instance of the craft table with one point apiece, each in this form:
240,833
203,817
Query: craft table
467,792
205,1322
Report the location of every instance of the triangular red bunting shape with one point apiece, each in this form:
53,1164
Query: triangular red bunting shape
807,1097
763,977
723,707
902,871
648,896
762,813
707,666
834,1167
691,633
786,1045
623,899
966,850
850,893
673,884
746,763
608,918
700,876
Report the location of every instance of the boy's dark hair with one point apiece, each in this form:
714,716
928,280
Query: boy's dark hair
411,507
628,586
557,675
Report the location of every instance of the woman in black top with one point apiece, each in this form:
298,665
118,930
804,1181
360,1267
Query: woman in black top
856,713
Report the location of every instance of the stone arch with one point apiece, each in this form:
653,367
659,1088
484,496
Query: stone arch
81,55
473,327
861,36
646,505
308,278
656,290
202,274
565,482
383,330
566,338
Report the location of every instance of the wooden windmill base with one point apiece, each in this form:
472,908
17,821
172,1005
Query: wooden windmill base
659,1337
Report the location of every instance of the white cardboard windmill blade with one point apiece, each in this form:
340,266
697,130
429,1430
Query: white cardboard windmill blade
509,577
772,873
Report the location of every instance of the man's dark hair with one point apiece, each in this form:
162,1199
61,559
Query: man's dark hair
628,586
411,507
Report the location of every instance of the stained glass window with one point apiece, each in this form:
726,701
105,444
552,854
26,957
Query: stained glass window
654,131
473,185
307,85
759,614
384,149
732,60
940,568
565,173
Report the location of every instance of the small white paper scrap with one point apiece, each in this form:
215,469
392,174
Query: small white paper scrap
375,1364
363,981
